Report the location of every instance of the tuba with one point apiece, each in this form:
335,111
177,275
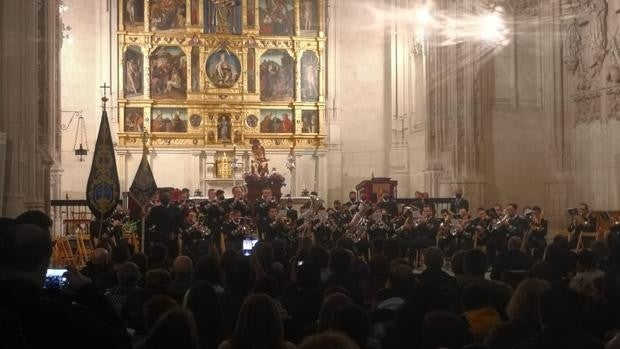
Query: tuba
358,227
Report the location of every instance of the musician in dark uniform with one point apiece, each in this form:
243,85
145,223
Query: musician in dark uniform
459,202
291,213
352,204
214,212
536,239
379,226
388,204
581,221
481,225
193,234
234,230
273,227
239,203
262,206
183,199
322,228
164,222
511,224
424,232
341,218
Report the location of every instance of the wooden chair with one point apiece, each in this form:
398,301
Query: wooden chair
84,248
66,252
580,245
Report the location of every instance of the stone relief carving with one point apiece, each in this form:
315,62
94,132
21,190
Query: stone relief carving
588,108
613,104
526,8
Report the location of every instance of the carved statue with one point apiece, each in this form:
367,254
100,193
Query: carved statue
572,47
598,35
260,164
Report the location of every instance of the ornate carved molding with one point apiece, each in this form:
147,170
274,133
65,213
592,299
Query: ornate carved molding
588,107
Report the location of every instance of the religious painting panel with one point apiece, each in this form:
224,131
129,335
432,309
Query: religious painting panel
168,73
195,69
276,121
251,13
224,128
251,70
194,12
222,16
133,14
309,17
134,65
167,14
310,121
309,77
169,120
133,120
223,68
277,76
276,17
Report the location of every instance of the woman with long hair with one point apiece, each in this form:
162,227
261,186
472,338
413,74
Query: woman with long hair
259,326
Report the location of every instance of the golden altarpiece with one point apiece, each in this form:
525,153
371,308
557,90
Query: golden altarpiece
207,77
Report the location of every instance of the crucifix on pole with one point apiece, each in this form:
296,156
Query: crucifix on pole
105,88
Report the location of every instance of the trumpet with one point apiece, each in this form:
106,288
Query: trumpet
499,223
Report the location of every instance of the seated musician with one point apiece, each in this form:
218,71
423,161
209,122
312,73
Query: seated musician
388,204
465,231
234,231
510,224
262,207
581,221
273,227
291,213
192,232
213,210
482,225
536,239
424,232
341,217
322,228
352,204
379,226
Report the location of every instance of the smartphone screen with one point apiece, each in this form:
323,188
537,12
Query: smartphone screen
55,279
248,245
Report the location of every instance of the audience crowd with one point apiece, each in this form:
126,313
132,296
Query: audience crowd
308,298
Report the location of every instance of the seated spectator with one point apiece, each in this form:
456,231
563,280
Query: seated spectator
97,269
259,326
330,304
436,279
303,298
155,307
354,322
443,329
523,314
86,320
479,315
340,265
475,265
512,259
35,217
328,340
128,276
157,282
239,280
175,329
587,272
142,261
561,257
457,263
544,271
560,315
158,257
203,303
182,269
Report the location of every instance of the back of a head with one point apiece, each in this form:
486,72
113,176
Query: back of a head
514,243
319,255
204,305
5,224
392,249
379,267
560,307
309,274
155,307
99,256
264,253
328,340
353,321
586,260
457,263
341,260
524,305
157,281
182,266
36,218
443,329
175,329
208,269
158,254
259,324
141,261
330,304
475,297
475,262
433,258
268,285
128,274
120,254
239,275
25,248
545,271
401,278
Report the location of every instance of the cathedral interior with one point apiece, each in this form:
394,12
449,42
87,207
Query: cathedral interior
507,101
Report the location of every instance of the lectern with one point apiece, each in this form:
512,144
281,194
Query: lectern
376,186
